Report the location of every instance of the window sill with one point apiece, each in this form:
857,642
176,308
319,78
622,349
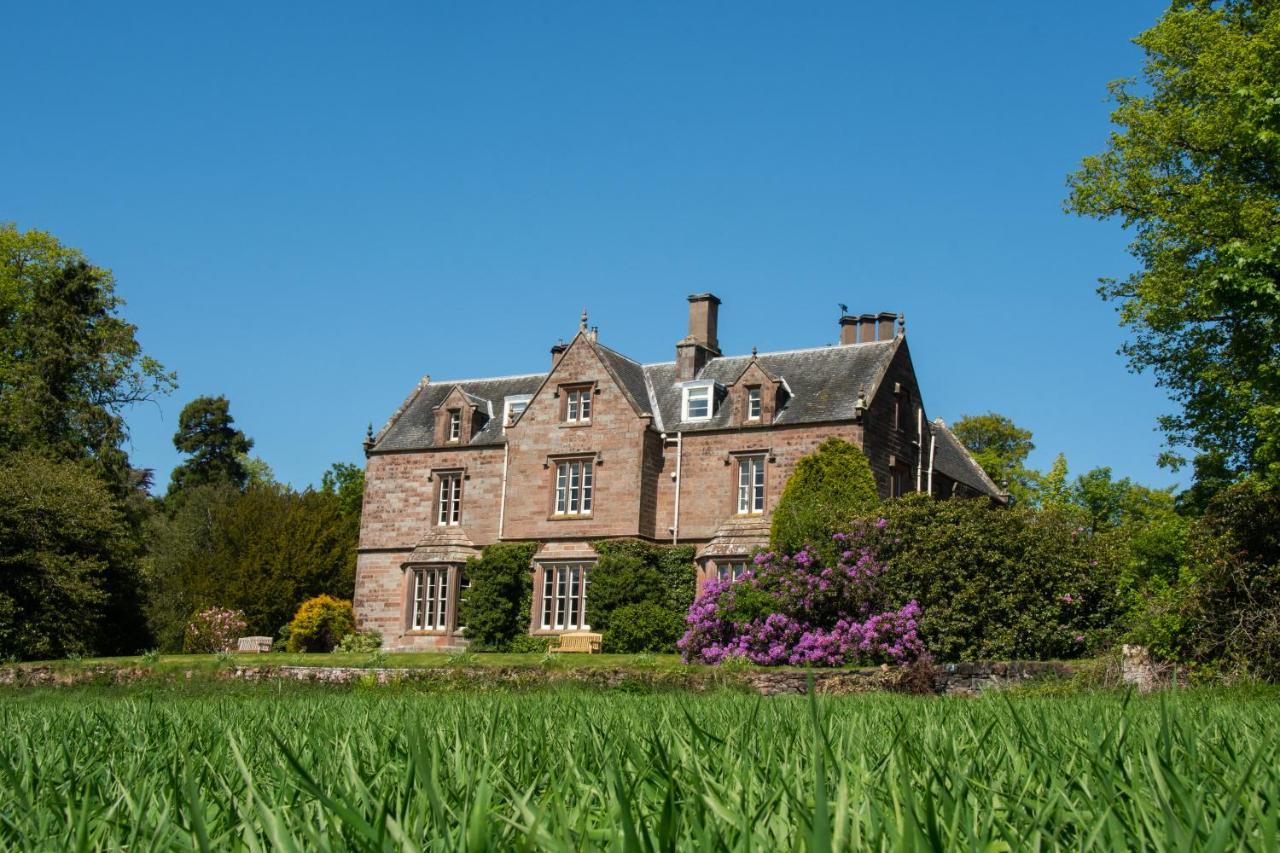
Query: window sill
554,517
574,424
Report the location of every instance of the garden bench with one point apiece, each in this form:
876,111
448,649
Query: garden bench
253,644
579,641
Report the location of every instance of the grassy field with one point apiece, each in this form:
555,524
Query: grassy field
258,767
413,660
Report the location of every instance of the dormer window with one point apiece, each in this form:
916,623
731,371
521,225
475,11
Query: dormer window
514,407
455,424
753,403
577,404
699,402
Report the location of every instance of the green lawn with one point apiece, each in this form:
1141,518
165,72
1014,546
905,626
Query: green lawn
235,766
394,659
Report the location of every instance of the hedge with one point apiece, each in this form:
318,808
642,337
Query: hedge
829,488
496,611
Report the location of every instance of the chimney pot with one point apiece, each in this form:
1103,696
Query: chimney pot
556,352
867,328
886,320
701,345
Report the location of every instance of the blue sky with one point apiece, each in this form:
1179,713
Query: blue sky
309,206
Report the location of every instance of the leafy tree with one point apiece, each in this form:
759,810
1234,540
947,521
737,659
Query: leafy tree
257,471
1109,503
1001,447
1054,491
1211,474
1193,168
69,364
346,481
829,487
61,537
217,449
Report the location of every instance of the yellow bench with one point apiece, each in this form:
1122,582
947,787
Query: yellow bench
579,641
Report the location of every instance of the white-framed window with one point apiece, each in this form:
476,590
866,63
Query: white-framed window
464,586
750,485
430,599
731,571
564,596
455,424
753,403
449,499
577,404
513,407
699,402
575,484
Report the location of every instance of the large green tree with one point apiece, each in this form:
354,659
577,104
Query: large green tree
829,488
216,449
1001,447
1193,169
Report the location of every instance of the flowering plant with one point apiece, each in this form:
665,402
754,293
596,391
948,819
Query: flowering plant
214,629
791,609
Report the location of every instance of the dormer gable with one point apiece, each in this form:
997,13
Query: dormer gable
755,396
586,371
459,417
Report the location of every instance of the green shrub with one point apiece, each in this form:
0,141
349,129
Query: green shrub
1228,599
528,644
631,573
320,623
997,583
360,642
498,603
829,488
643,627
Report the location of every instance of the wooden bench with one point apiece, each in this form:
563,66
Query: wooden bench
256,645
579,641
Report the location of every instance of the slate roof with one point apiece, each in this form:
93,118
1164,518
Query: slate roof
822,385
953,459
414,427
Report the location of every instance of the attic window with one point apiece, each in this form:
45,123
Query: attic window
455,424
699,402
513,407
753,403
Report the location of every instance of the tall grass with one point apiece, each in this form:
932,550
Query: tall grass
566,770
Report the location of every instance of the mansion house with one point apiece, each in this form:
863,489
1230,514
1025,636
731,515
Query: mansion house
693,451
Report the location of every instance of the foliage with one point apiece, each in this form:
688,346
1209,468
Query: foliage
829,487
1001,447
346,482
1054,490
320,624
996,583
1229,598
1193,168
61,536
644,626
213,629
360,642
496,611
313,768
528,644
634,574
263,551
792,609
69,364
215,448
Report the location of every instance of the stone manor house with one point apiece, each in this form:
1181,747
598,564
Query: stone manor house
694,451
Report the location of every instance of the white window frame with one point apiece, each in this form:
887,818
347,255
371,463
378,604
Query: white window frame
754,403
449,499
563,606
455,424
750,483
707,388
430,598
574,488
578,404
731,570
509,408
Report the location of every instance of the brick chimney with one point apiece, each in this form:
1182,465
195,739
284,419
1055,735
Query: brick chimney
557,351
701,345
886,320
848,330
867,328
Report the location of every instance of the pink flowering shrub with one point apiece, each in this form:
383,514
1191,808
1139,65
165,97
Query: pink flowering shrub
791,609
213,629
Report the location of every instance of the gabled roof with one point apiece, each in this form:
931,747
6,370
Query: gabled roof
954,459
414,428
823,383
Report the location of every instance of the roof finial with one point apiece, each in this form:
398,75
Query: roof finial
902,324
368,438
753,351
583,327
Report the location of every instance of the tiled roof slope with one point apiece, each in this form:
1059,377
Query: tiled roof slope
414,429
823,385
953,459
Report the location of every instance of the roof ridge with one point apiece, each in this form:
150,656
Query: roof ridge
618,354
828,347
486,379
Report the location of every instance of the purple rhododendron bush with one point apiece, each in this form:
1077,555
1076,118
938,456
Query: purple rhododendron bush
791,609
